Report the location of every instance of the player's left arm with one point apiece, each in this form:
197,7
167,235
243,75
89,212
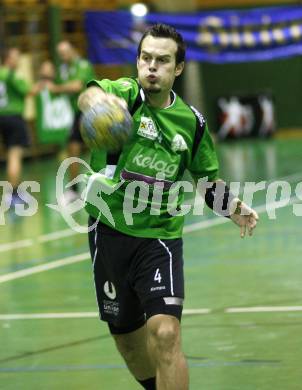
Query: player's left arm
219,198
217,195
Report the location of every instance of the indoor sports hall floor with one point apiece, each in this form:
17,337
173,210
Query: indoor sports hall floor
243,310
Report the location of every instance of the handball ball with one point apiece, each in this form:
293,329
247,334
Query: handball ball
106,126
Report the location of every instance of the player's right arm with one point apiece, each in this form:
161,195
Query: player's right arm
123,91
96,95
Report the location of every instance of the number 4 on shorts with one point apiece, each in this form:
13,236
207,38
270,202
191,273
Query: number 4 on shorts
157,276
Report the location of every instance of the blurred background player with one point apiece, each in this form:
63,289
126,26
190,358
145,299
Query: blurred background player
74,73
47,73
13,91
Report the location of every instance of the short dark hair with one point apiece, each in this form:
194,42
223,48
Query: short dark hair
165,31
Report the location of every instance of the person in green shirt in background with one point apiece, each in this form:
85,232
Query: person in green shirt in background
73,75
13,91
47,73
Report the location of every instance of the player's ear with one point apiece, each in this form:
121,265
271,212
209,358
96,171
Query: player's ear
179,68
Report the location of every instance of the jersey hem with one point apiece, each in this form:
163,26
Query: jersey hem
157,234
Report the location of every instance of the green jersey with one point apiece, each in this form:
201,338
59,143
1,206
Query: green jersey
13,90
79,69
145,198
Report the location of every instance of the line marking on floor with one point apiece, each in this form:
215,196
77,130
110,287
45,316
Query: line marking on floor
56,235
40,239
186,312
44,267
47,316
263,309
84,256
69,232
16,245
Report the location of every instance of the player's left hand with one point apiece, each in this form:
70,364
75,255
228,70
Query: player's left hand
243,216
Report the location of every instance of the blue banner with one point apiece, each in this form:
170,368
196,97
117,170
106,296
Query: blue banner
227,36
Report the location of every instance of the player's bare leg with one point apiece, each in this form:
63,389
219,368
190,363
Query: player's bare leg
14,165
133,348
164,342
155,350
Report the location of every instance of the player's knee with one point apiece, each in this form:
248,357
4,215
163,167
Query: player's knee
164,334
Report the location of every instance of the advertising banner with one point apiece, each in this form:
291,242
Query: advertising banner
227,36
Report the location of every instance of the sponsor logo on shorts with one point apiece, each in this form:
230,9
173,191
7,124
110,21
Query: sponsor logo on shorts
111,307
109,290
158,288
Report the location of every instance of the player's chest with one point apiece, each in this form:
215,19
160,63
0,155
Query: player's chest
159,147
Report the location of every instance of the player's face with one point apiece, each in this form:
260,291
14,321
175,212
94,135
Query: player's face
156,64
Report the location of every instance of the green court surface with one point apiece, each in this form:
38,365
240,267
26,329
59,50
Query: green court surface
243,309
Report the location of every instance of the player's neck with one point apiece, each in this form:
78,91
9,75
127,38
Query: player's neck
159,100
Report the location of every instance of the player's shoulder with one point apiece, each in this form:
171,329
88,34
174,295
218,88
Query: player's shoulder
127,85
123,82
127,82
199,116
190,110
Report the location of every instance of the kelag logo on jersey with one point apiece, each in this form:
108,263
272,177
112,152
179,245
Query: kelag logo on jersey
154,163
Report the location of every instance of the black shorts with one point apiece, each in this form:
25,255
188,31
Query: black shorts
75,134
135,278
14,131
